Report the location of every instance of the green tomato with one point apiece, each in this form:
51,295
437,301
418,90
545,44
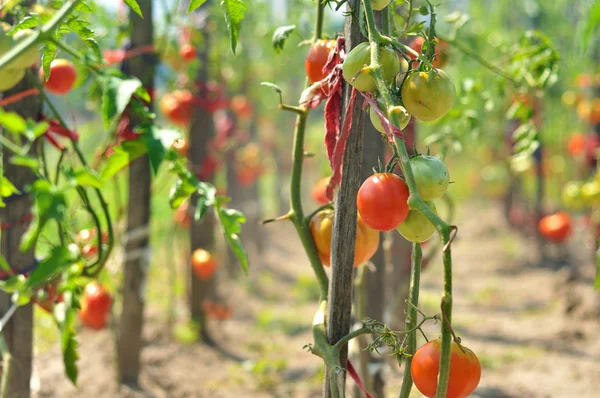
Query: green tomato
360,57
379,5
431,176
416,227
10,77
591,193
572,196
26,59
403,115
428,95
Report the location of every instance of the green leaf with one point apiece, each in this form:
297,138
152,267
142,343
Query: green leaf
87,178
194,5
25,161
48,54
231,225
4,265
158,141
49,204
49,267
234,15
591,25
26,23
13,122
65,316
81,28
183,189
116,95
275,87
123,154
6,187
133,4
207,194
280,35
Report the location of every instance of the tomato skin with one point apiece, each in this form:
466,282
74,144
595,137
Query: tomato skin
465,370
416,227
431,176
359,57
62,76
428,98
382,201
379,5
321,228
204,264
319,193
555,227
440,52
187,52
316,58
402,113
95,306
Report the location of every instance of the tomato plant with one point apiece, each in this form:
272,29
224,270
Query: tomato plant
465,370
382,201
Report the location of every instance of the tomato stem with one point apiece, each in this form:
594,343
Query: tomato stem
411,317
414,200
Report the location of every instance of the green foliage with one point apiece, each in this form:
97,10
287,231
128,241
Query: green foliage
280,36
194,5
234,15
133,4
231,225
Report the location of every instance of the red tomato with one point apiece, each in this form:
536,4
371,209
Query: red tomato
62,76
316,59
95,306
441,51
204,264
576,144
187,52
465,370
556,227
382,200
321,228
319,191
177,106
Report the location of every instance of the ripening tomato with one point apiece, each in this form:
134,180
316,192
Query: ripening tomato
26,59
316,58
187,52
431,176
381,201
465,370
10,78
379,5
319,191
204,264
416,227
440,52
321,228
182,146
428,95
572,196
555,227
178,106
62,76
242,107
576,144
360,57
400,111
95,306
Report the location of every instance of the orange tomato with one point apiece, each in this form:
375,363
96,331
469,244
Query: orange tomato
204,264
555,227
62,76
187,52
441,51
321,228
316,59
177,106
576,144
319,191
95,306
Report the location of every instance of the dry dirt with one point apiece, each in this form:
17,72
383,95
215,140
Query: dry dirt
534,328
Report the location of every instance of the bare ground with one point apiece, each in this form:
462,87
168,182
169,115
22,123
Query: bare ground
535,328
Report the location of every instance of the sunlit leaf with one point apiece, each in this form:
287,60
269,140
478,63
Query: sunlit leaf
234,15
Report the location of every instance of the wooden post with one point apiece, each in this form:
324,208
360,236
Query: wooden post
18,333
344,226
136,264
201,131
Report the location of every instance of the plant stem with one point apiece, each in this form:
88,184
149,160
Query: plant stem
410,8
39,35
411,315
346,339
415,202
